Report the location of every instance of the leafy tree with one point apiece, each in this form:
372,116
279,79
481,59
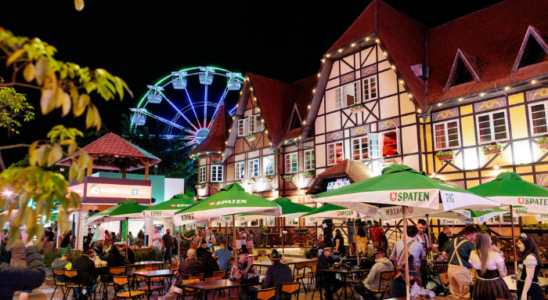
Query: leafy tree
13,106
66,86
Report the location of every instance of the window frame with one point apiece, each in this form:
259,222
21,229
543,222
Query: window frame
311,153
328,158
398,141
352,147
251,167
491,113
203,174
530,112
446,135
340,100
288,155
251,124
212,172
371,145
241,125
237,169
368,79
266,166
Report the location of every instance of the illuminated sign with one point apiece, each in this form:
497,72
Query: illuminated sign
78,189
105,190
338,183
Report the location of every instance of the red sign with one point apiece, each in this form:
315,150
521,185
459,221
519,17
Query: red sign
393,196
521,200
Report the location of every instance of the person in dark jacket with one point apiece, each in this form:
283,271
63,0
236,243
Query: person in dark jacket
87,240
277,274
191,266
113,259
19,279
87,275
443,238
325,261
210,264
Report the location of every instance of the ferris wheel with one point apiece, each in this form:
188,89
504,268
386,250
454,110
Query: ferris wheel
176,101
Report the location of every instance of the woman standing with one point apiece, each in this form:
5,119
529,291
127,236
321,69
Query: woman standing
243,239
107,238
528,284
490,268
250,242
210,239
196,239
140,238
66,239
339,249
361,242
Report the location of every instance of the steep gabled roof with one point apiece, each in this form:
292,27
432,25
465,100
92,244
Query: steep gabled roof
462,60
218,134
494,35
300,107
362,26
275,99
532,33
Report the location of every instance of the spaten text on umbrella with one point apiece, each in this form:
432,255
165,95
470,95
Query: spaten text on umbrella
449,198
228,202
533,201
521,210
409,196
344,213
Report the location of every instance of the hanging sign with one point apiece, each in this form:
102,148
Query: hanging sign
335,184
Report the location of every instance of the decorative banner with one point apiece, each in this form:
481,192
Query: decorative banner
337,135
360,130
347,78
490,104
387,124
537,94
338,183
445,114
369,71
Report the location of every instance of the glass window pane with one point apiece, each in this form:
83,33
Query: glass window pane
389,143
538,116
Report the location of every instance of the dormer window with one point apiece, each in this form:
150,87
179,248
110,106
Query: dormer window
534,49
465,69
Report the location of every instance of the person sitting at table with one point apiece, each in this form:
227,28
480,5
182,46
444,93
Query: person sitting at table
202,249
222,255
373,280
490,267
114,259
277,274
414,250
210,264
528,283
325,261
62,263
87,275
244,272
191,266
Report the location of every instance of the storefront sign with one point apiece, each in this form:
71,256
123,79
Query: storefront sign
118,191
100,190
335,184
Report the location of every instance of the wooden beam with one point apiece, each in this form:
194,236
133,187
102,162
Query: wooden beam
147,162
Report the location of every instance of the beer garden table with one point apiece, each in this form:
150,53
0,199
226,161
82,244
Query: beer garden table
207,286
151,274
344,273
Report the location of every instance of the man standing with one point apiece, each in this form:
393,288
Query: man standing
376,236
373,280
245,272
422,236
48,242
277,274
415,251
457,252
325,261
87,240
222,255
443,238
156,238
167,241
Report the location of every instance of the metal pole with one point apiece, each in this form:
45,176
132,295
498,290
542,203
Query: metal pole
234,237
356,235
513,239
406,252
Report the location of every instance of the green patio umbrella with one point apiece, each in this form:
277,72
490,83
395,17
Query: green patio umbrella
403,186
167,209
510,189
126,209
230,200
331,211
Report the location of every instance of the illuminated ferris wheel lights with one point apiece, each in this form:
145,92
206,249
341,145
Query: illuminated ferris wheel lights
179,80
139,120
154,96
207,76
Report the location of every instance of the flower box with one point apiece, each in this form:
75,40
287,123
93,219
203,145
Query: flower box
445,157
543,142
357,108
250,138
543,145
267,179
200,186
309,175
215,184
492,149
290,177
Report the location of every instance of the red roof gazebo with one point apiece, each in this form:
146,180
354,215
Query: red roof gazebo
112,152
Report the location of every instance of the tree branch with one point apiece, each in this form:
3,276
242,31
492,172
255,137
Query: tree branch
21,84
14,146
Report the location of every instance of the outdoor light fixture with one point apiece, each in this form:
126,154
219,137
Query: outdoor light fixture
419,110
7,193
410,96
460,99
439,104
367,39
340,50
533,81
482,94
353,44
377,41
304,122
318,74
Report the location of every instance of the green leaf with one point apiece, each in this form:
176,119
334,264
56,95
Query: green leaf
15,56
29,73
42,70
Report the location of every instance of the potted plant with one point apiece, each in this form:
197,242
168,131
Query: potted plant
215,184
250,138
492,149
388,162
309,175
357,108
543,142
290,177
200,186
445,155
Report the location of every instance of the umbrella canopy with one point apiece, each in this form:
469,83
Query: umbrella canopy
289,210
526,211
168,208
331,211
509,189
126,209
231,199
401,185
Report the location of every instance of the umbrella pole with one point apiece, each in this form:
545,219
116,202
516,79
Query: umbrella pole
127,242
513,239
234,238
406,252
355,235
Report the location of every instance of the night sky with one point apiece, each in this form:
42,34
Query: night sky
143,41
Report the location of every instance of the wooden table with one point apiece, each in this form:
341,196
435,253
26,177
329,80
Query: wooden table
286,261
208,286
145,263
344,273
151,274
512,284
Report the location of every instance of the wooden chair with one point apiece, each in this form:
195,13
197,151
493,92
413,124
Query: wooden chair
444,279
188,291
221,274
123,281
266,293
290,288
200,277
299,277
62,285
73,282
387,278
312,274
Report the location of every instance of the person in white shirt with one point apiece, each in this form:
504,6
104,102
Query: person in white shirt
98,239
156,240
415,251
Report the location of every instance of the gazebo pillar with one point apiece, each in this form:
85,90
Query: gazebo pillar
147,162
124,173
